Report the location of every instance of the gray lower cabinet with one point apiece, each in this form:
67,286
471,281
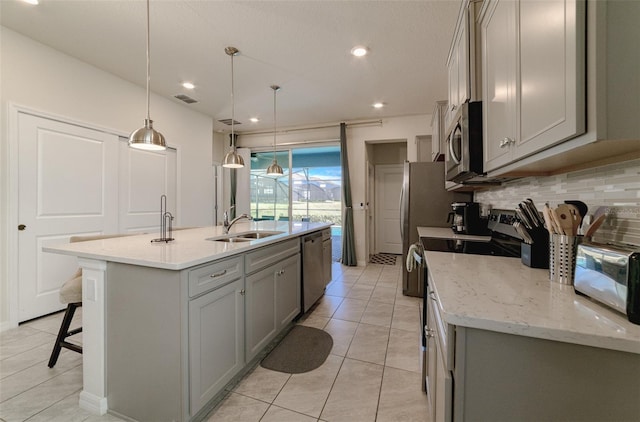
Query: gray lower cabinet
216,341
176,338
287,291
272,302
482,375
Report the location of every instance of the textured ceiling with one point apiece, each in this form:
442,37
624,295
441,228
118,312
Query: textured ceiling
303,46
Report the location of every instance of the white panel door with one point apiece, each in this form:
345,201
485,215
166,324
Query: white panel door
144,177
388,179
67,185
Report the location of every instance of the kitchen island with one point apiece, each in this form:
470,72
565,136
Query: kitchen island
505,343
167,325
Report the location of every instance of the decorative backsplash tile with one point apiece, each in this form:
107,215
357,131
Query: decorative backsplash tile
615,187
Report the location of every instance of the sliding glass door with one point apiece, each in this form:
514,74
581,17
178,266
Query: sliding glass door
309,190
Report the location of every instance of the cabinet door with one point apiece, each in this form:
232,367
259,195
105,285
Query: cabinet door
462,47
432,359
498,32
261,326
287,275
216,341
444,391
452,71
327,260
552,79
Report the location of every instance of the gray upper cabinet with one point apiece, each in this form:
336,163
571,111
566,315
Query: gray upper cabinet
533,74
438,138
459,63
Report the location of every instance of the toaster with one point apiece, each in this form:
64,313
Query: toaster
610,273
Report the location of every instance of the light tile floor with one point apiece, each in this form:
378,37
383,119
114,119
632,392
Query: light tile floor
372,373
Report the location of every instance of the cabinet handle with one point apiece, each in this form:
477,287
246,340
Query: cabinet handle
453,107
220,274
432,295
280,272
242,292
506,142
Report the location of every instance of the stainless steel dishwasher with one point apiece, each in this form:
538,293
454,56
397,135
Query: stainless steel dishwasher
313,284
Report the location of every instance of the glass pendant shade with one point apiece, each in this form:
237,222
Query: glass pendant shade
147,138
274,169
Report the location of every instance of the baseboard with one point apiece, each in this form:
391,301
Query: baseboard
7,325
92,403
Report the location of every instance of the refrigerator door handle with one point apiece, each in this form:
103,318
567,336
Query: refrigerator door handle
402,214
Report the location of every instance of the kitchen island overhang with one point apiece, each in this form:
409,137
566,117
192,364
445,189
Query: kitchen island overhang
189,249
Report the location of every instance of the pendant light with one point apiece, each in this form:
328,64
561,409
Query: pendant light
146,137
274,169
232,159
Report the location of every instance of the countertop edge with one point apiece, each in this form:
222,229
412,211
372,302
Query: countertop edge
584,338
88,253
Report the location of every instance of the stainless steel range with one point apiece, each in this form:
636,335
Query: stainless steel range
503,240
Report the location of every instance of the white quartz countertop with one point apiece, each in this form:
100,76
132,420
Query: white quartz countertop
189,248
447,233
502,294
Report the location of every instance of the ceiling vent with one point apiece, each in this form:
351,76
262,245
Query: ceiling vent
228,122
185,98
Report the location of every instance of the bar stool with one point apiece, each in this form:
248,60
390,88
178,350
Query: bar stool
71,294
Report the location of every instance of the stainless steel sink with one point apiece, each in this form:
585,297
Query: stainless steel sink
256,234
229,239
244,236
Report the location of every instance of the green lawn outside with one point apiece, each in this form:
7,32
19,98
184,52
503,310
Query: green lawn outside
317,211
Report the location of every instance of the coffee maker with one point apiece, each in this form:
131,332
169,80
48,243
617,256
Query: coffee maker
465,219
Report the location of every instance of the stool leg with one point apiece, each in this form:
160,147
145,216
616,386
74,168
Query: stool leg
62,334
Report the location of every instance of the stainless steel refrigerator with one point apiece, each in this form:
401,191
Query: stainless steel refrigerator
424,201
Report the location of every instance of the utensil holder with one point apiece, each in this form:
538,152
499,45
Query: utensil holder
562,257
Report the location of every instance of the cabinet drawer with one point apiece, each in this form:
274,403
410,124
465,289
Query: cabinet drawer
268,255
211,276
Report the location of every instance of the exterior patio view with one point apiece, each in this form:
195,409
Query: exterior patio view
309,190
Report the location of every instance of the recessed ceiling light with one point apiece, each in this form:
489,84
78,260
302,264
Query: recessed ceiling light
378,105
254,120
359,51
34,2
188,85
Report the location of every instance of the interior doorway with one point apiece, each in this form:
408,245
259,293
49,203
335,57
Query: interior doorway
381,221
388,184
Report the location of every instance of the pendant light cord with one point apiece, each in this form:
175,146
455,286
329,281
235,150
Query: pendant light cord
148,64
275,90
233,107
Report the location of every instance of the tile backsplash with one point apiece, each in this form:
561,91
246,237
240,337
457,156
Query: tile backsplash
616,187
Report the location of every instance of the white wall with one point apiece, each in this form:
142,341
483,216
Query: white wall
35,76
396,129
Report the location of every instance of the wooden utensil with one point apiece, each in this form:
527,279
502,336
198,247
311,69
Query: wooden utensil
566,219
577,218
556,221
595,225
582,208
546,213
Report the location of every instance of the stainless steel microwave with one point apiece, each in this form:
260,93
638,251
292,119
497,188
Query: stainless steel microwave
464,145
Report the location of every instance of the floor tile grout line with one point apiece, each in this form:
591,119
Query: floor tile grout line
332,385
42,382
53,404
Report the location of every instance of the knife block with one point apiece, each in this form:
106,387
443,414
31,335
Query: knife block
536,255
